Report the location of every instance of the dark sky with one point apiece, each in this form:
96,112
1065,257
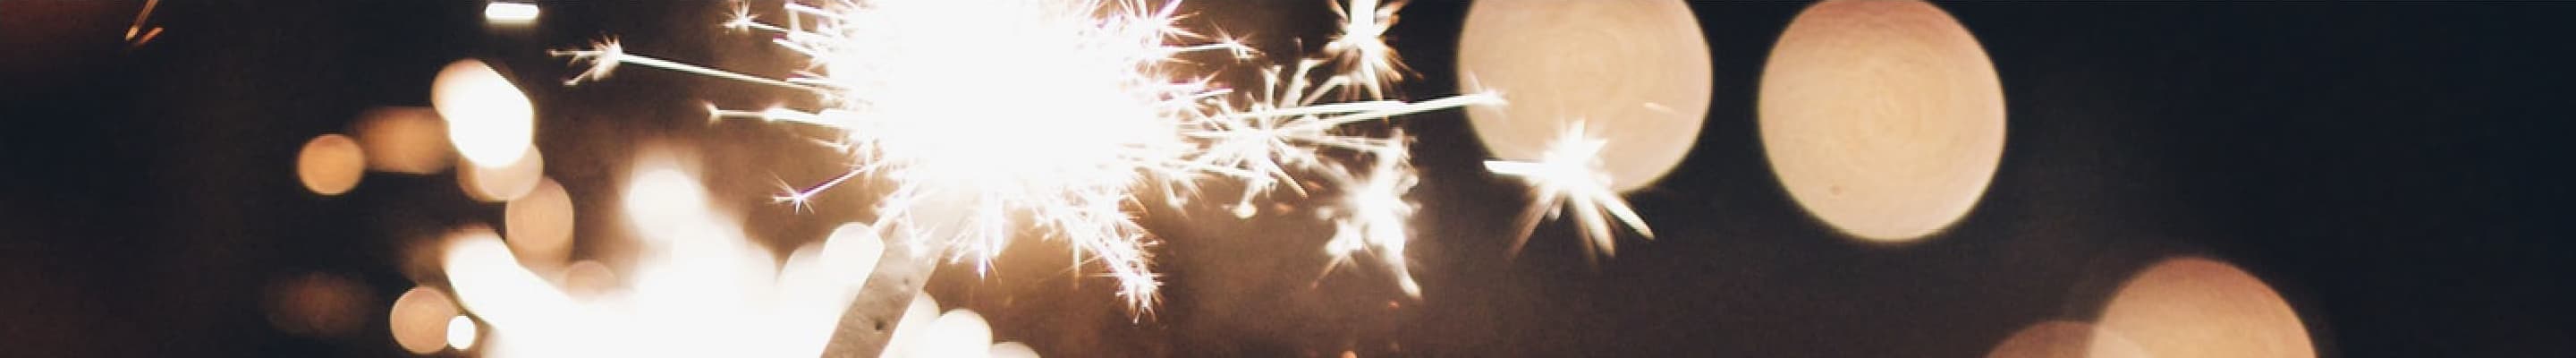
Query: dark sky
2396,171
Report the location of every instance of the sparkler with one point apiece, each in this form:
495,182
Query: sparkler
1569,177
990,116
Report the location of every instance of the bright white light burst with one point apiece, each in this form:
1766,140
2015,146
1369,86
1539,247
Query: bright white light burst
991,116
1362,49
1569,177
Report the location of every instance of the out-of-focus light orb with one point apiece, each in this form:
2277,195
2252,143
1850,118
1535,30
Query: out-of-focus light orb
419,319
2066,339
659,194
1636,72
460,333
1882,118
958,333
1012,350
539,225
852,251
488,119
913,329
331,164
504,182
510,13
411,140
318,305
2197,307
587,280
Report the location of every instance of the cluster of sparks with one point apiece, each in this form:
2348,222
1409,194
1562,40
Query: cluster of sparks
989,117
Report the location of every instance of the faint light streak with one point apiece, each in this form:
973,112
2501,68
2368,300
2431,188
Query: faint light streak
1569,177
938,97
146,36
511,13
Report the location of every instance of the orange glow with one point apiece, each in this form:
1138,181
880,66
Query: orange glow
2066,339
2196,307
505,182
317,305
331,164
419,319
410,140
1882,118
539,225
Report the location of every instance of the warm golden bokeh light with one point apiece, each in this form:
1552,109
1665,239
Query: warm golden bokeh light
1882,118
488,120
2065,339
331,164
1636,73
318,305
419,319
411,140
461,333
587,280
1012,350
539,225
958,333
505,182
2197,307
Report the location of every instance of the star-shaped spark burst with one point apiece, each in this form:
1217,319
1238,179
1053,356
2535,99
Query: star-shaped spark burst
989,116
1569,176
1373,214
1370,64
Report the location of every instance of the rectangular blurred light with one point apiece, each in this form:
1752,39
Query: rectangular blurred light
503,12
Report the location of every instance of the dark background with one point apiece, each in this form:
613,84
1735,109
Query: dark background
2395,170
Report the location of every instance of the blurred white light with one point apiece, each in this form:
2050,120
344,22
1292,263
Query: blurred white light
502,12
460,333
488,119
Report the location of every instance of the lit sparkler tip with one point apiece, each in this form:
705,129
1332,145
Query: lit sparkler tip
741,19
1569,177
603,56
1368,62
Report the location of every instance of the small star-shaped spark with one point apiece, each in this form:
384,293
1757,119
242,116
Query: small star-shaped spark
1569,177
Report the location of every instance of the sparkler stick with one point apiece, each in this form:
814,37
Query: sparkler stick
606,55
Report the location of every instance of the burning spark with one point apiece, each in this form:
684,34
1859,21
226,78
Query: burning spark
996,115
1569,177
1373,214
1368,61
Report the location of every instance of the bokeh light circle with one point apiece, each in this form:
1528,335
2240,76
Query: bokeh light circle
1882,118
1635,73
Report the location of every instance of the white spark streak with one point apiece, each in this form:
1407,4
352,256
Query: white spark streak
1569,177
990,116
